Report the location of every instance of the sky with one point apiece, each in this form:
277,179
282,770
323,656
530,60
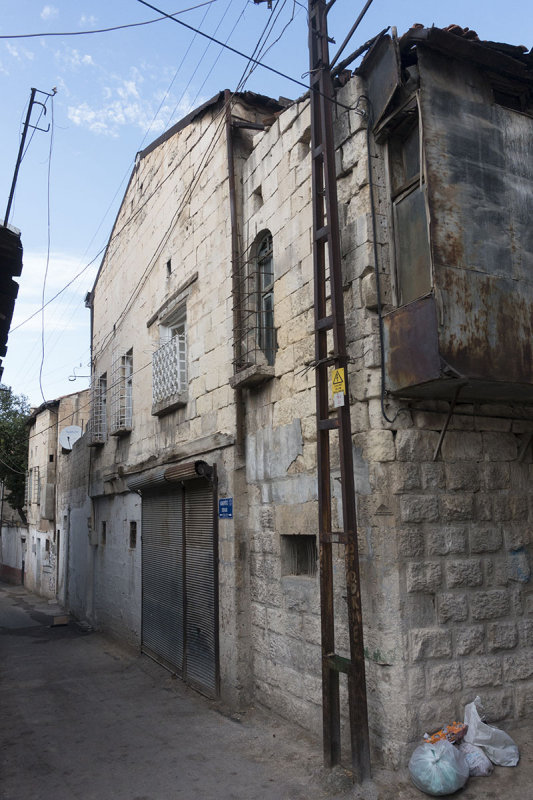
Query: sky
115,93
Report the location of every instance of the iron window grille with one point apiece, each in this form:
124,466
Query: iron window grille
121,392
255,335
97,425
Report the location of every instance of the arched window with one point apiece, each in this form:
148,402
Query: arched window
265,297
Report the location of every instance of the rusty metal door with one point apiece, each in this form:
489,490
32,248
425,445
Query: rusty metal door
179,577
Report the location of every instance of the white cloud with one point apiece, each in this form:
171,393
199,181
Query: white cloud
87,19
19,52
72,58
49,12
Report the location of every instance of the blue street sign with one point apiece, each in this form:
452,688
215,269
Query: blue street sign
225,508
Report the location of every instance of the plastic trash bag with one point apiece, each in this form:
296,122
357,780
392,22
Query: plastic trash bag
496,744
438,768
479,765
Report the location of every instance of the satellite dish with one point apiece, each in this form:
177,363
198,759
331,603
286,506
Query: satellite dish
68,436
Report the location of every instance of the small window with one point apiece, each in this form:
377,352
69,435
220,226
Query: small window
169,364
51,458
265,276
299,555
122,393
47,546
169,267
103,533
133,535
412,251
97,425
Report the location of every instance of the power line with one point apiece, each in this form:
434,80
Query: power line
226,46
105,30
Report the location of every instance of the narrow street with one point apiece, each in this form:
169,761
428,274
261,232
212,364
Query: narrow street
83,718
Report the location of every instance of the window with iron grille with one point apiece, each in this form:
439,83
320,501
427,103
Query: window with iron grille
255,335
35,486
97,425
169,364
121,393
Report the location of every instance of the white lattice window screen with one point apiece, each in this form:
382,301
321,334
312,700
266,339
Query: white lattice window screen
170,361
27,489
122,390
35,484
98,421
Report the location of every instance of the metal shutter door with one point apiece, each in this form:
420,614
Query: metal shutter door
162,576
201,583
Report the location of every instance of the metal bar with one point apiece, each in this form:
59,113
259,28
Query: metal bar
356,53
19,157
446,424
328,424
351,33
339,663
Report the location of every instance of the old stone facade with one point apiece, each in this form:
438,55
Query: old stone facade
203,348
53,429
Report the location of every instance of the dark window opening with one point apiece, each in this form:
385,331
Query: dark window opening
51,457
169,266
412,252
133,535
47,546
299,555
265,270
103,535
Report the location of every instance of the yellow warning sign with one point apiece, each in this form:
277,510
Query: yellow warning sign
337,381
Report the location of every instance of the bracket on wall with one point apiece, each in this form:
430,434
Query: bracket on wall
446,424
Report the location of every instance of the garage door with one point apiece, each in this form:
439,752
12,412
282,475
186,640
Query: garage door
179,576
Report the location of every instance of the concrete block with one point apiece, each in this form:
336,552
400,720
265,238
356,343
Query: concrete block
470,640
429,643
516,536
490,605
462,446
404,477
456,506
378,445
464,573
485,538
410,542
501,636
499,446
446,539
496,476
510,507
416,679
461,476
419,508
486,671
518,666
432,476
424,576
412,445
483,507
525,632
444,678
524,699
452,607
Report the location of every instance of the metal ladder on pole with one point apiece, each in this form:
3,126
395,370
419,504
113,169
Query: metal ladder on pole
327,268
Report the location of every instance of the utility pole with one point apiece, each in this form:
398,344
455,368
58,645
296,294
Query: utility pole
330,324
27,125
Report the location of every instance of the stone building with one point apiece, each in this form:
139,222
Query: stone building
54,427
203,427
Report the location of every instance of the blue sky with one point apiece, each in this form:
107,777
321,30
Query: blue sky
118,91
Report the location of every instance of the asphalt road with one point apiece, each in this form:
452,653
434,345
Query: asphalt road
85,719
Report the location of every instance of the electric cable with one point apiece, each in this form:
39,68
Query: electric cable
105,30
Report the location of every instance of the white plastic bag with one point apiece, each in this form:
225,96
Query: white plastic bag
480,766
438,768
497,744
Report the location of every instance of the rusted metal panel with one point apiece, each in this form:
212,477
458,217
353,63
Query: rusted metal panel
479,177
411,345
381,70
